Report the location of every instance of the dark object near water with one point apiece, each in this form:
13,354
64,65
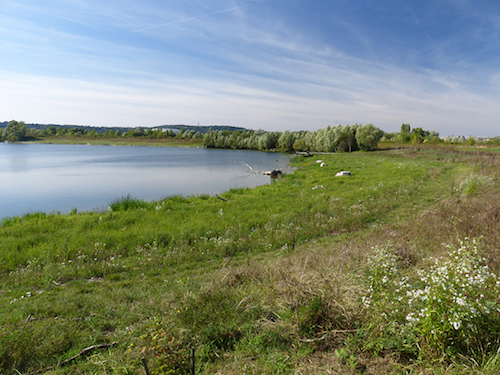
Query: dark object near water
306,154
275,173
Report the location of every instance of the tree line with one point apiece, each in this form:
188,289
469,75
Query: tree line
340,138
18,131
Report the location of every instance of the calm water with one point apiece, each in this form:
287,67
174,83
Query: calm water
62,177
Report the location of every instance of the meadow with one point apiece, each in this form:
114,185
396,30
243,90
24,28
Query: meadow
389,270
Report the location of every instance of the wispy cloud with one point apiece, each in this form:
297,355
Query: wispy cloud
254,64
51,14
192,18
417,22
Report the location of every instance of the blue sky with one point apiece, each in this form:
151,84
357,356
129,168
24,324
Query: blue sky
260,64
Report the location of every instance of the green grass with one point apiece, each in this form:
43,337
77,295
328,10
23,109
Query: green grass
120,141
267,282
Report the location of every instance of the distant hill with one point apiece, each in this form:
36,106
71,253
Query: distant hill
99,129
103,129
201,129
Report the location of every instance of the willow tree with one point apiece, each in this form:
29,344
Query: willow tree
286,141
368,137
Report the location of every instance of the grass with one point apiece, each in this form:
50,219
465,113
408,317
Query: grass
120,141
267,282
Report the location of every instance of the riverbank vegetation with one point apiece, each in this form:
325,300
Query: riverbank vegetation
392,269
340,138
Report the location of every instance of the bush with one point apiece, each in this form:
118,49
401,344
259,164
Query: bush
450,308
474,182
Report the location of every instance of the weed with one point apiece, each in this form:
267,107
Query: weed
449,308
127,203
474,182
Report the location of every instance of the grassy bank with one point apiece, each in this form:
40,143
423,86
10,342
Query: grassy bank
119,141
299,276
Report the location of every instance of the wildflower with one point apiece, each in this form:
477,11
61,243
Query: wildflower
456,291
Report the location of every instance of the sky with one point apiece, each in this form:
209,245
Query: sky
260,64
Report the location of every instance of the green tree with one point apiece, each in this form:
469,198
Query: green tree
268,141
15,131
300,145
405,128
209,139
286,141
77,131
344,138
368,137
323,140
404,135
348,134
61,131
137,132
51,130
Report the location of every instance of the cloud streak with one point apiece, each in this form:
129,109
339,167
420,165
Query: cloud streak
297,67
191,18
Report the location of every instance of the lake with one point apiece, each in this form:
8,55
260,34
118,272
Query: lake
48,178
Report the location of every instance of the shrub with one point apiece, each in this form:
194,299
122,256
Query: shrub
171,354
450,308
473,182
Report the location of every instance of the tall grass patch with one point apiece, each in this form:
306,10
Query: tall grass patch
450,307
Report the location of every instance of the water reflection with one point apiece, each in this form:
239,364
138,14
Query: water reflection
63,177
